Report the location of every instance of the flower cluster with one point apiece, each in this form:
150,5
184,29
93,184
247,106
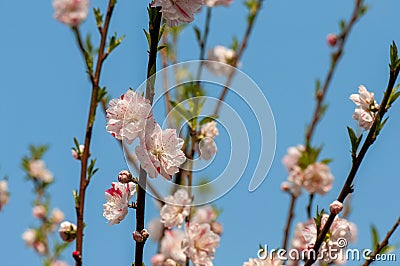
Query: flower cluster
263,262
38,170
224,58
71,12
315,177
199,239
159,152
117,201
178,11
4,195
332,249
366,107
176,209
207,145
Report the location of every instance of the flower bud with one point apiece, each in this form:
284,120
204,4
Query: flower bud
137,236
56,216
67,231
331,39
39,212
217,228
144,233
158,260
76,254
77,154
285,186
40,248
124,177
336,207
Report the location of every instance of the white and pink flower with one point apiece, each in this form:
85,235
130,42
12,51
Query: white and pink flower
291,159
366,107
160,152
175,209
223,57
71,12
29,237
200,243
263,262
204,214
76,154
39,212
127,116
171,246
318,178
4,195
67,231
57,216
38,170
59,263
178,11
117,200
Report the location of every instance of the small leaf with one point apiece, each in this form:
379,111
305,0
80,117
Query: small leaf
375,237
208,119
98,16
198,35
148,37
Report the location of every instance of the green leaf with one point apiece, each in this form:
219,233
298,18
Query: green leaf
148,37
159,48
98,16
91,170
197,32
394,57
318,219
342,26
76,197
326,161
208,119
114,42
235,43
101,94
375,237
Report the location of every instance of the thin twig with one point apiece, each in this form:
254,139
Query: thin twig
309,206
382,244
335,57
154,31
164,62
239,54
203,43
289,220
348,186
95,78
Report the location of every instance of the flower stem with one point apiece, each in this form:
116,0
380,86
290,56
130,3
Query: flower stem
348,185
382,244
239,54
154,31
95,79
289,221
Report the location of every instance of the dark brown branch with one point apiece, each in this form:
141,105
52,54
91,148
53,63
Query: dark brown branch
383,244
335,57
95,78
154,31
289,221
239,54
347,187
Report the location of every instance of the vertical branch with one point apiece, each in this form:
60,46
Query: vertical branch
289,221
95,79
309,206
154,31
250,25
203,43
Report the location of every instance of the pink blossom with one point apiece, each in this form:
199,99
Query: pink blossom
209,129
39,211
56,216
207,148
339,235
161,152
37,169
156,229
76,154
318,178
127,116
67,231
29,237
298,241
157,260
4,195
214,3
176,209
117,200
223,55
40,247
336,207
59,263
204,214
71,12
124,176
366,107
200,244
171,246
291,159
178,11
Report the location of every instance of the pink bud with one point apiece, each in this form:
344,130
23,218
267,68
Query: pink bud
217,228
157,259
336,207
137,236
145,233
124,176
331,39
285,186
170,262
39,211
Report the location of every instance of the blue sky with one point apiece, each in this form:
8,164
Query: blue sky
45,96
